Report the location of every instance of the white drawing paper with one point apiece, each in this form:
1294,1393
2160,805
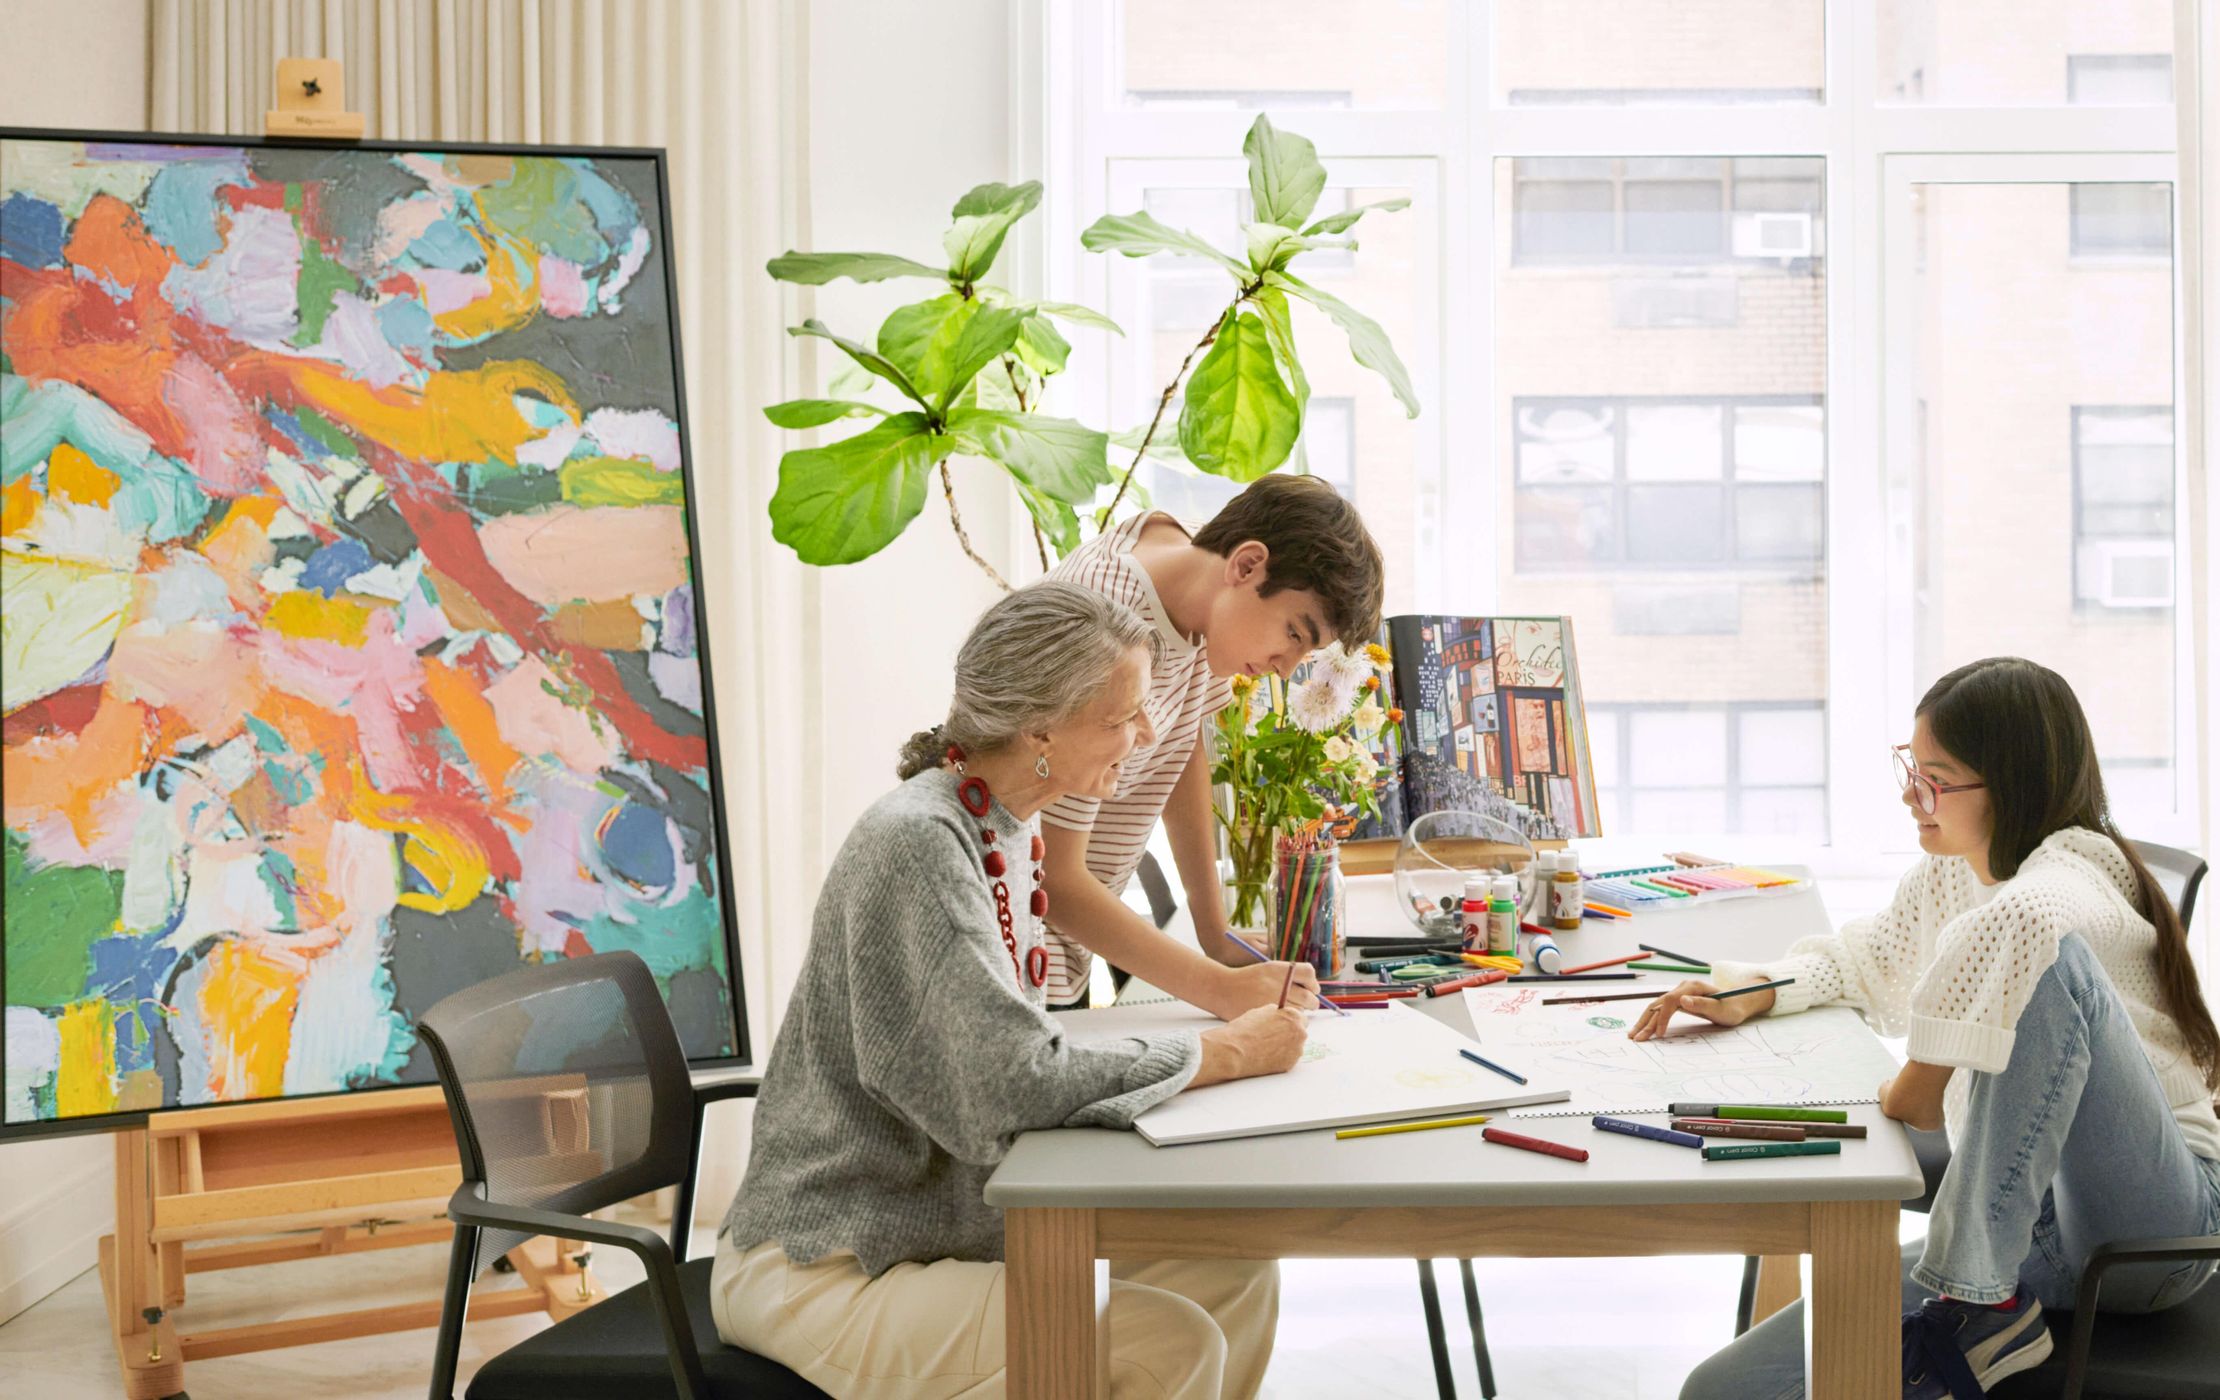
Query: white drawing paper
1368,1067
1825,1056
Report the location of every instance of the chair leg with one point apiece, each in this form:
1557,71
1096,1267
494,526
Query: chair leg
462,1266
1436,1337
1748,1301
1479,1331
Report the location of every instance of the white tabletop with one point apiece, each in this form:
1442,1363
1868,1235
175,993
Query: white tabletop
1456,1166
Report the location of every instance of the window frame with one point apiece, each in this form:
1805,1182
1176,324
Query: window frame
1063,51
2081,413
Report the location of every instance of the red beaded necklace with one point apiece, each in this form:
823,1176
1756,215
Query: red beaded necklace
973,793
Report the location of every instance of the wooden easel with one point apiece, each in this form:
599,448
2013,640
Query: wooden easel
369,1171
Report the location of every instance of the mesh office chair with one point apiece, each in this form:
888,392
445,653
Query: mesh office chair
569,1093
2161,1356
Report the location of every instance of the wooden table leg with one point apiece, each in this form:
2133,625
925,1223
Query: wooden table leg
1779,1282
1049,1298
1856,1301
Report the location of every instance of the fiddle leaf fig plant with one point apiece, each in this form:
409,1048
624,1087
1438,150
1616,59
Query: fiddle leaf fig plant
972,362
1245,404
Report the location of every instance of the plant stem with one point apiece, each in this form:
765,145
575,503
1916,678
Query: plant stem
1040,546
955,518
1164,402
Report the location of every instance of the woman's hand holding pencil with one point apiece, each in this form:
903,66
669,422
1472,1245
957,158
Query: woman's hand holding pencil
1720,1006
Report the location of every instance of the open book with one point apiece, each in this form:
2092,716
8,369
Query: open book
1377,1067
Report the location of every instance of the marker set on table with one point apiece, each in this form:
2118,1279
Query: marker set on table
1769,1130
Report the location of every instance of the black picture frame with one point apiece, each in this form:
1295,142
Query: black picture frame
728,910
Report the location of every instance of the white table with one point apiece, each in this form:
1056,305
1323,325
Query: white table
1072,1196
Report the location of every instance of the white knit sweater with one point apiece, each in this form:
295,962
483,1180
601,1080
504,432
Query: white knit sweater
1953,969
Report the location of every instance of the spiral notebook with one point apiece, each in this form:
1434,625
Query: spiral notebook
1827,1056
1376,1068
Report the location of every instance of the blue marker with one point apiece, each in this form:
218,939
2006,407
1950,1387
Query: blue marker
1644,1130
1490,1064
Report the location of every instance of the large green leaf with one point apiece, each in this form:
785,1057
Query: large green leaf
1240,421
816,269
848,501
878,364
940,344
1347,218
1367,342
1140,235
1055,456
1285,178
1272,247
1078,315
1279,333
816,413
982,220
1041,346
1059,522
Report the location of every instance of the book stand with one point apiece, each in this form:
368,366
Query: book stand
367,1171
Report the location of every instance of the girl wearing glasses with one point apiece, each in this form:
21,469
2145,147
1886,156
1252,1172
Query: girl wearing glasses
2055,1028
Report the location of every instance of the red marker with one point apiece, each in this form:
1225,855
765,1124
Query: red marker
1458,984
1533,1144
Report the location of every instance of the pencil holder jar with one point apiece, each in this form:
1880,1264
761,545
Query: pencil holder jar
1308,922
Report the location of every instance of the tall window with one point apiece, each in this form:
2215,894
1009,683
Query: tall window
1786,442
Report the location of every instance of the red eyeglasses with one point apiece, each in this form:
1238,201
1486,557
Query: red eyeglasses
1924,790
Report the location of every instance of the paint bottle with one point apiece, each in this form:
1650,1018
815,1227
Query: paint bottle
1568,897
1472,918
1542,954
1503,915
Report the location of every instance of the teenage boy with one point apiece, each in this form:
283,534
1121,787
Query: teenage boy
1284,569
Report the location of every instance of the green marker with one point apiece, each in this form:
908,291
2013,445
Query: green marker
1786,1113
1668,967
1736,1151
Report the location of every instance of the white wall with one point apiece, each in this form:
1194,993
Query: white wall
80,63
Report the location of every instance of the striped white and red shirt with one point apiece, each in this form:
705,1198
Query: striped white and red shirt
1182,698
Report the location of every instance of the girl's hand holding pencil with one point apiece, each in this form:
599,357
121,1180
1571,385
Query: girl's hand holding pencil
1699,998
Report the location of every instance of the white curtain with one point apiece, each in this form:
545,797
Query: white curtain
722,86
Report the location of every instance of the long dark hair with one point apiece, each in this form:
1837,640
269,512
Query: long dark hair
2019,727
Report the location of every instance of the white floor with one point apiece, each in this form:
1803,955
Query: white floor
1566,1329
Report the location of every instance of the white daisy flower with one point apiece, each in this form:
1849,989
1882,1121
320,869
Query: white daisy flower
1339,750
1316,704
1369,718
1367,765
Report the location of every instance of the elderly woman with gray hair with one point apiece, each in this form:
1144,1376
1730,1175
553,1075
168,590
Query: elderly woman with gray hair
860,1251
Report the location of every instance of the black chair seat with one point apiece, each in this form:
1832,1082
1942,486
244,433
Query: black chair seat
614,1351
2173,1355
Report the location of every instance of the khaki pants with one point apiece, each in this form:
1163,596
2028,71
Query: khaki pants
1179,1329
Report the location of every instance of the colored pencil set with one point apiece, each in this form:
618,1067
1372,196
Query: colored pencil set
1656,887
1306,901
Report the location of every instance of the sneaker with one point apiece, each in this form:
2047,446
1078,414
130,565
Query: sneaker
1956,1351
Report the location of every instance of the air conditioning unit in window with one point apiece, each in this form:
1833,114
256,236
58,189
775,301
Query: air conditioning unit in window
1758,235
2130,573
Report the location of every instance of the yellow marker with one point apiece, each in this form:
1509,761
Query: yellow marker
1413,1127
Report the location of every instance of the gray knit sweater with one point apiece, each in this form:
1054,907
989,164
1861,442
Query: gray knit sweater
913,1054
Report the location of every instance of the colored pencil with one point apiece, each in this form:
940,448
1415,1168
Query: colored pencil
1366,1004
1669,954
1727,1127
1485,1063
1505,1138
1458,984
1770,1112
1754,987
1576,977
1601,996
1612,910
1604,962
1669,967
1645,1130
1743,1151
1810,1130
1258,953
1465,1122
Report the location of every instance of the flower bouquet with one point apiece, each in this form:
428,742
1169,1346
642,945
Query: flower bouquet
1295,758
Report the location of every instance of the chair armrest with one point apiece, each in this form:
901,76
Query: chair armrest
468,1207
2103,1259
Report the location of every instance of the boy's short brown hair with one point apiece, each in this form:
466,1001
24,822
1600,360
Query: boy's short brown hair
1318,543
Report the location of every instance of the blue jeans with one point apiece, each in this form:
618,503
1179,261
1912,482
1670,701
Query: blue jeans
2070,1146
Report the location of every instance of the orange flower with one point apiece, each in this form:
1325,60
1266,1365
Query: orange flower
1371,682
1395,716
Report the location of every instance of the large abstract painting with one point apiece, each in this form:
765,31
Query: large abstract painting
352,640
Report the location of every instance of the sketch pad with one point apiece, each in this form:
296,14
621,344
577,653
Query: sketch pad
1827,1056
1375,1068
